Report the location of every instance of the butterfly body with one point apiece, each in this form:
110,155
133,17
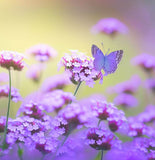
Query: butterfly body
106,62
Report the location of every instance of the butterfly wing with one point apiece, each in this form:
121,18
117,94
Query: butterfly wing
99,58
111,61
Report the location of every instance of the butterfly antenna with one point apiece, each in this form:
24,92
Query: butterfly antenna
108,51
103,46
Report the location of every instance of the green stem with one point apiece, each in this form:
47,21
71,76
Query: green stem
7,117
77,87
20,152
64,140
42,158
102,154
99,123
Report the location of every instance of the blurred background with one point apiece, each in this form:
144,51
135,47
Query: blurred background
66,24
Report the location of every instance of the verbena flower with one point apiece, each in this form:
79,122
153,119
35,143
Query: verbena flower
26,129
137,129
109,26
107,111
80,68
72,116
10,59
2,124
130,86
32,109
55,82
55,100
126,100
145,61
102,139
42,52
4,92
150,83
102,110
35,71
147,116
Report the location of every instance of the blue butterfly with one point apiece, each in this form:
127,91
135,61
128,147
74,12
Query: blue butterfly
106,62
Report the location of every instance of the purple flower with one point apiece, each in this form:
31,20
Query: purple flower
10,59
55,100
145,61
150,83
55,82
80,68
107,111
35,71
109,26
4,92
32,109
72,116
147,116
137,129
102,139
2,124
126,100
130,86
151,155
102,109
117,121
27,130
42,52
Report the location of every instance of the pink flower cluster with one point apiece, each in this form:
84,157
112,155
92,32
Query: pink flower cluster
80,68
109,26
107,111
145,61
102,139
42,52
55,82
10,59
4,92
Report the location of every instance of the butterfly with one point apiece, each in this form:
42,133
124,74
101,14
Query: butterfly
106,62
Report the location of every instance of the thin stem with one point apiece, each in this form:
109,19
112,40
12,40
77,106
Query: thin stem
7,117
77,87
99,123
20,152
102,154
42,158
64,140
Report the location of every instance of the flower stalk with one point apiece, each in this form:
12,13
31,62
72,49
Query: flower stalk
7,117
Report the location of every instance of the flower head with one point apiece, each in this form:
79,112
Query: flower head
126,100
42,52
145,61
35,71
107,111
55,100
80,68
55,82
109,26
32,109
150,83
73,115
10,59
137,129
102,139
130,86
4,92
